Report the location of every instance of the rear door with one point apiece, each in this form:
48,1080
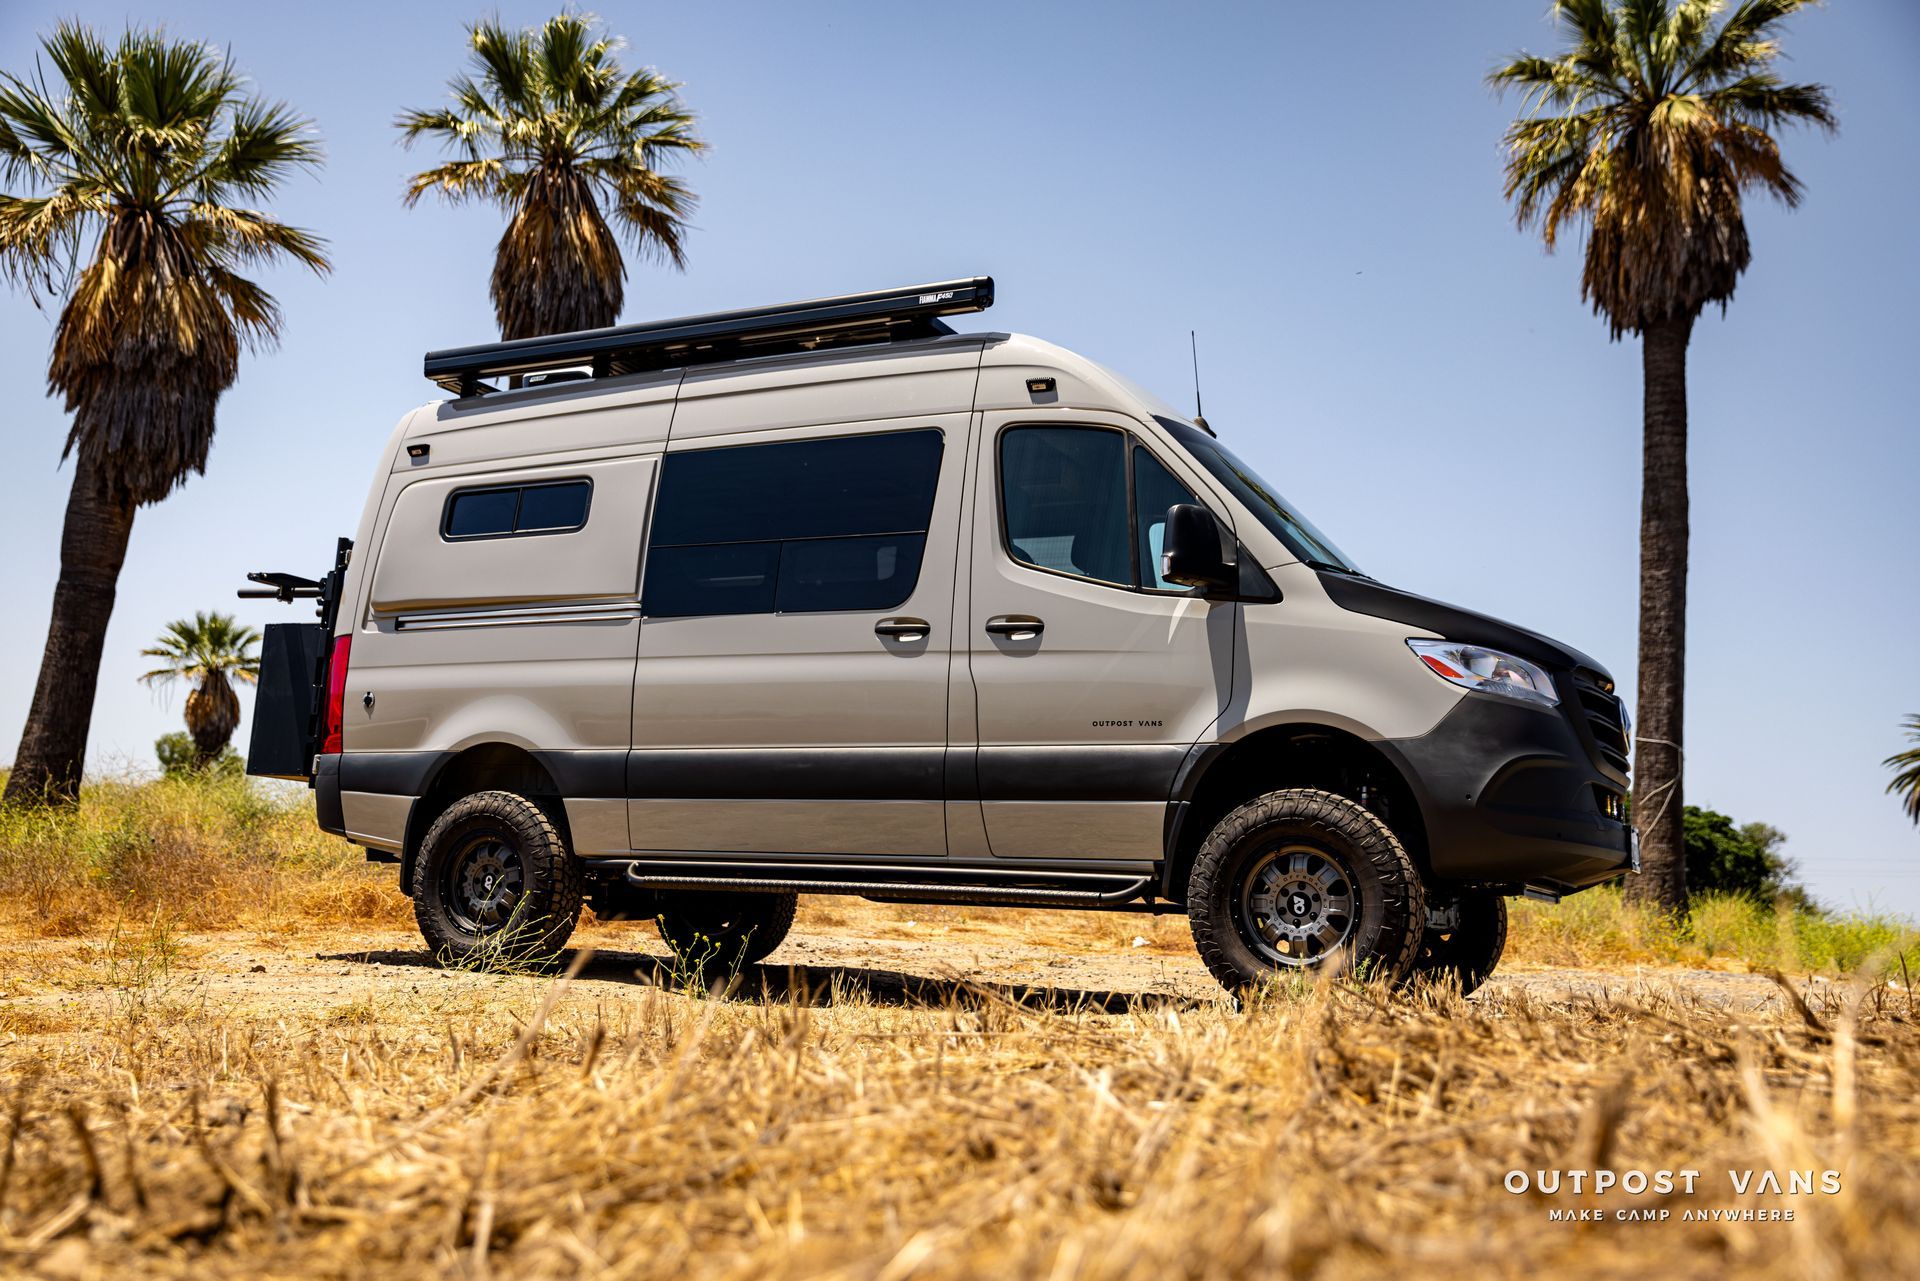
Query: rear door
1092,675
792,681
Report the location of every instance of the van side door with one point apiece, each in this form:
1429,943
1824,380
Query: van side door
791,689
1092,675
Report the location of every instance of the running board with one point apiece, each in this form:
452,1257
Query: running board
1118,891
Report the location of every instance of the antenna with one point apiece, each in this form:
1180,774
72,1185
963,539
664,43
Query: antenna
1193,343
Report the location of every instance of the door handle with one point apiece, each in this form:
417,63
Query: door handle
1019,627
902,629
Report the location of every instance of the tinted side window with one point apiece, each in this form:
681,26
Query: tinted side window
848,573
1064,495
481,513
517,509
846,486
1073,504
545,508
717,578
1154,490
794,527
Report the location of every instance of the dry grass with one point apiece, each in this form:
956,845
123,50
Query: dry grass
472,1125
203,854
531,1128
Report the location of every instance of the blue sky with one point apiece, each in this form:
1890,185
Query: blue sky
1315,188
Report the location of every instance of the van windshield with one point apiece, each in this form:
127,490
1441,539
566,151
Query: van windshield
1280,516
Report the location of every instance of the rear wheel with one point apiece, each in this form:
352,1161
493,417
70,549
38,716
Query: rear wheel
1291,878
494,878
1463,939
723,932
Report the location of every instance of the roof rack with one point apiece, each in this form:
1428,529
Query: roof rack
883,316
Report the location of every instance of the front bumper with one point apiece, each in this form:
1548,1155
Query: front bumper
1513,795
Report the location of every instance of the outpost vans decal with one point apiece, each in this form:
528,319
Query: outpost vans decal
1668,1184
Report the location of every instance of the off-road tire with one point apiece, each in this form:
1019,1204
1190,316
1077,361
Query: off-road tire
1387,901
1469,952
724,931
544,908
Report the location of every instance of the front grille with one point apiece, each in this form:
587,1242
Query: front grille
1606,719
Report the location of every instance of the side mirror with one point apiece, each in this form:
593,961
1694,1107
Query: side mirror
1190,553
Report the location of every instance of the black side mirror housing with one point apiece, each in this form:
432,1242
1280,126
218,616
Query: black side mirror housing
1191,554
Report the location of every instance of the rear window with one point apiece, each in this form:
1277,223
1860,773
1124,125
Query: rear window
502,511
801,526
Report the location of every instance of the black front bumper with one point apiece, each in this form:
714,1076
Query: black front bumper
1514,795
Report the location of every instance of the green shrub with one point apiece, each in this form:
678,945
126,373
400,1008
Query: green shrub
177,756
1725,859
208,850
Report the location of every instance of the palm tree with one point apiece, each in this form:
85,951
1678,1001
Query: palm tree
550,128
140,161
1906,782
1645,131
210,650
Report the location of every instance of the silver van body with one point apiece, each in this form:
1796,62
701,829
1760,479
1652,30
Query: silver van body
1008,718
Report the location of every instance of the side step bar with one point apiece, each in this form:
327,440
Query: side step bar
1101,891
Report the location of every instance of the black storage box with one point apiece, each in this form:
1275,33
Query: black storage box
284,705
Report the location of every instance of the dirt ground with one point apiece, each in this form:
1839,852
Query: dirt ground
922,1094
890,955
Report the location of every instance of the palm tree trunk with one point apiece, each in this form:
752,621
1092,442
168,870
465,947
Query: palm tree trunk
213,712
1660,727
93,546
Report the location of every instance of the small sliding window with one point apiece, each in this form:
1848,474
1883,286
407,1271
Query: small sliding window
508,511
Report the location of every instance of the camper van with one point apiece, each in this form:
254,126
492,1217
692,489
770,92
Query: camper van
679,621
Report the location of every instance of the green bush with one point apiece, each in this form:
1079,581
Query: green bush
1725,859
177,758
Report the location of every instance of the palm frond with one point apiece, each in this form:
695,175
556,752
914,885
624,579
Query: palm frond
459,180
1645,130
265,144
229,235
255,313
1743,42
1906,779
206,645
135,170
547,124
1760,99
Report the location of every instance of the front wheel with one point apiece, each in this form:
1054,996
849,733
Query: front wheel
1291,879
494,879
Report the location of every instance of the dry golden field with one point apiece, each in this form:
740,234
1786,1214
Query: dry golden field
267,1078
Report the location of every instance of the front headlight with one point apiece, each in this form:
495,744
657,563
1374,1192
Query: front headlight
1486,670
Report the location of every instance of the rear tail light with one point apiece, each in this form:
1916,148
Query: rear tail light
333,714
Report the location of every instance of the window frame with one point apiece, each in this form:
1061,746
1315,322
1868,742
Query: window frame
925,535
1132,440
518,489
